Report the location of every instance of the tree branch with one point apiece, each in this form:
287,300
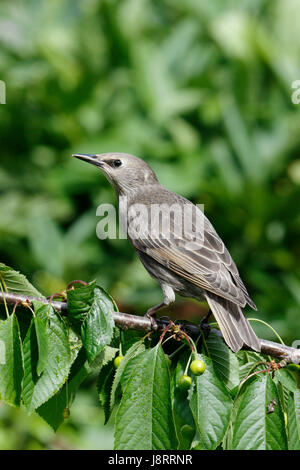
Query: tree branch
127,321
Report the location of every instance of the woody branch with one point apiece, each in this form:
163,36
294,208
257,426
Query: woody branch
286,354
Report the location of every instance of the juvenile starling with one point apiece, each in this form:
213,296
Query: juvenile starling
193,262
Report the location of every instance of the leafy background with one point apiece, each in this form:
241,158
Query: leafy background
202,91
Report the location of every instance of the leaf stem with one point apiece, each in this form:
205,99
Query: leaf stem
269,326
4,299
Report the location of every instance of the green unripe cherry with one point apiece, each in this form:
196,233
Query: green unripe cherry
117,361
184,382
197,367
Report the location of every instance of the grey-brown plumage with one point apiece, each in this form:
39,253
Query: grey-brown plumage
198,267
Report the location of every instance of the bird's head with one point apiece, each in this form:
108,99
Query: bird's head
125,172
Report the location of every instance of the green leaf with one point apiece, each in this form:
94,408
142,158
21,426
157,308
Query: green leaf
249,362
104,386
253,427
115,341
293,420
98,327
105,356
17,282
286,378
79,301
53,411
130,337
227,441
11,361
144,418
37,390
211,405
135,349
42,343
183,418
224,361
92,308
129,369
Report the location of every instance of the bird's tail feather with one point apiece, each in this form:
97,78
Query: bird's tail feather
234,326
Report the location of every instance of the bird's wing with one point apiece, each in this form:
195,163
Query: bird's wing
204,261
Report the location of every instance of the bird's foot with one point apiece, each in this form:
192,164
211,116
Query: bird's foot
151,313
151,316
165,319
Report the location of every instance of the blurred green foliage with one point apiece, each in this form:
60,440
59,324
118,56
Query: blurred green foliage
201,90
83,430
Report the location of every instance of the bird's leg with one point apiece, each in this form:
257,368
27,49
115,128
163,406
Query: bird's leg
151,312
169,297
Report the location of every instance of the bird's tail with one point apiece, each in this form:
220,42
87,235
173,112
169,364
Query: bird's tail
234,326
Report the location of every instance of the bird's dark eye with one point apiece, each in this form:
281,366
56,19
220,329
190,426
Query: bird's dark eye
117,163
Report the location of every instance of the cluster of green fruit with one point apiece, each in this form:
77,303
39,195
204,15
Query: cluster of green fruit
197,367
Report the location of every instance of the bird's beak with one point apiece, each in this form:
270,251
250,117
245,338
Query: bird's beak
89,158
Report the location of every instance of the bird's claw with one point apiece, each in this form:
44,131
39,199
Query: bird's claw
151,315
165,318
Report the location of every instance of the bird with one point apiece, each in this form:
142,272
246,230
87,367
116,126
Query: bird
193,262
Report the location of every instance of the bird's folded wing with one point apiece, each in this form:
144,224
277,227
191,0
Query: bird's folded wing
204,261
